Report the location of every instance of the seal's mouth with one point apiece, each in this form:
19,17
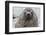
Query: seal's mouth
28,18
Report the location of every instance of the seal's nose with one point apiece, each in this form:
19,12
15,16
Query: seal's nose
28,14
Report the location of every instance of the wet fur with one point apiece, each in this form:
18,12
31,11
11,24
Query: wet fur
23,21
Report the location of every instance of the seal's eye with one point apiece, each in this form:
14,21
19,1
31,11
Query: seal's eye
31,13
24,12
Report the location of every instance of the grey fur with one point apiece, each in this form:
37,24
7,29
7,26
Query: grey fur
24,21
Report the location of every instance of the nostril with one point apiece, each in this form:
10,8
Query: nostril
28,14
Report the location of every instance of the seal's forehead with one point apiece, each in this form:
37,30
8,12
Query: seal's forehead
28,9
